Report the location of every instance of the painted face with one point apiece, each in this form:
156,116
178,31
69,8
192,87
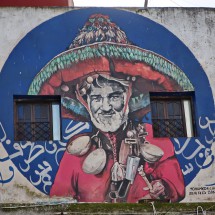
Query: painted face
107,106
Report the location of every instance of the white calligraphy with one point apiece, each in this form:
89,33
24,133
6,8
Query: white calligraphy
76,129
200,151
35,151
43,175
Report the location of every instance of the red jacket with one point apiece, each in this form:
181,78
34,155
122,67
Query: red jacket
72,181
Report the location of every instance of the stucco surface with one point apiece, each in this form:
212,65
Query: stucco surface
195,27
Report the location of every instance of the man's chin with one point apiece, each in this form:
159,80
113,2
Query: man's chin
106,128
106,124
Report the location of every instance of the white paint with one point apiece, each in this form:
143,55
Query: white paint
56,121
188,118
15,23
18,188
200,181
194,27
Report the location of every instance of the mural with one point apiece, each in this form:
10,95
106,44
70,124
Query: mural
107,152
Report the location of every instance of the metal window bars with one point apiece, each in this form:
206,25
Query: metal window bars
168,128
33,131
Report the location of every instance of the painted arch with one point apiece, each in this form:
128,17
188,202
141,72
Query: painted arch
56,56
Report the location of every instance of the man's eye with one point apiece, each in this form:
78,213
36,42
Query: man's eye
115,98
96,99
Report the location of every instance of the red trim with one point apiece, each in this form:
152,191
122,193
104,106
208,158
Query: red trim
84,68
32,3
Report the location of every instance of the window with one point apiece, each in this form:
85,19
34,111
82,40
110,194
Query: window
37,118
172,114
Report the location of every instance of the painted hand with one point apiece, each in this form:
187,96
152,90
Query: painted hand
157,189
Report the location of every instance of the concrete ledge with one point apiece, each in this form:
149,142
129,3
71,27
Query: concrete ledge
107,208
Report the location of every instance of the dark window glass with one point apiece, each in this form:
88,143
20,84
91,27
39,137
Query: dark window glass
42,112
160,110
168,118
33,119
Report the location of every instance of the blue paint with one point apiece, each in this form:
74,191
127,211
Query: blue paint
54,36
7,180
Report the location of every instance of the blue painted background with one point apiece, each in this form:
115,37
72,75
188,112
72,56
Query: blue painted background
54,36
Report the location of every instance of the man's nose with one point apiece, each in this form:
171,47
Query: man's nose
106,106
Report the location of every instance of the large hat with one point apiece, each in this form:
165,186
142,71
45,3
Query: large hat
103,48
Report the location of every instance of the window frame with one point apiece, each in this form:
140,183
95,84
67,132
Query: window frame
33,101
176,96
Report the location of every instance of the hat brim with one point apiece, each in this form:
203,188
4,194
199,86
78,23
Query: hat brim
153,73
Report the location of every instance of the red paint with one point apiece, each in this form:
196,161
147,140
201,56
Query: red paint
32,3
72,181
146,72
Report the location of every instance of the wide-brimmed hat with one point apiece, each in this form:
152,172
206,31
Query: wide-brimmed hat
103,48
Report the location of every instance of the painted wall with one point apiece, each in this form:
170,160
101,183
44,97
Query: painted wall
38,3
124,52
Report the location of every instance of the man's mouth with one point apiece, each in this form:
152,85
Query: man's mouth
107,114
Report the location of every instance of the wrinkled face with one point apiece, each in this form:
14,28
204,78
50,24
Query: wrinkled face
107,106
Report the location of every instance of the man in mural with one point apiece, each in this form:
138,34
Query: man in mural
106,100
104,166
105,80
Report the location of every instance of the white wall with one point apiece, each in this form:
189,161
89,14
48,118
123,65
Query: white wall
194,27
